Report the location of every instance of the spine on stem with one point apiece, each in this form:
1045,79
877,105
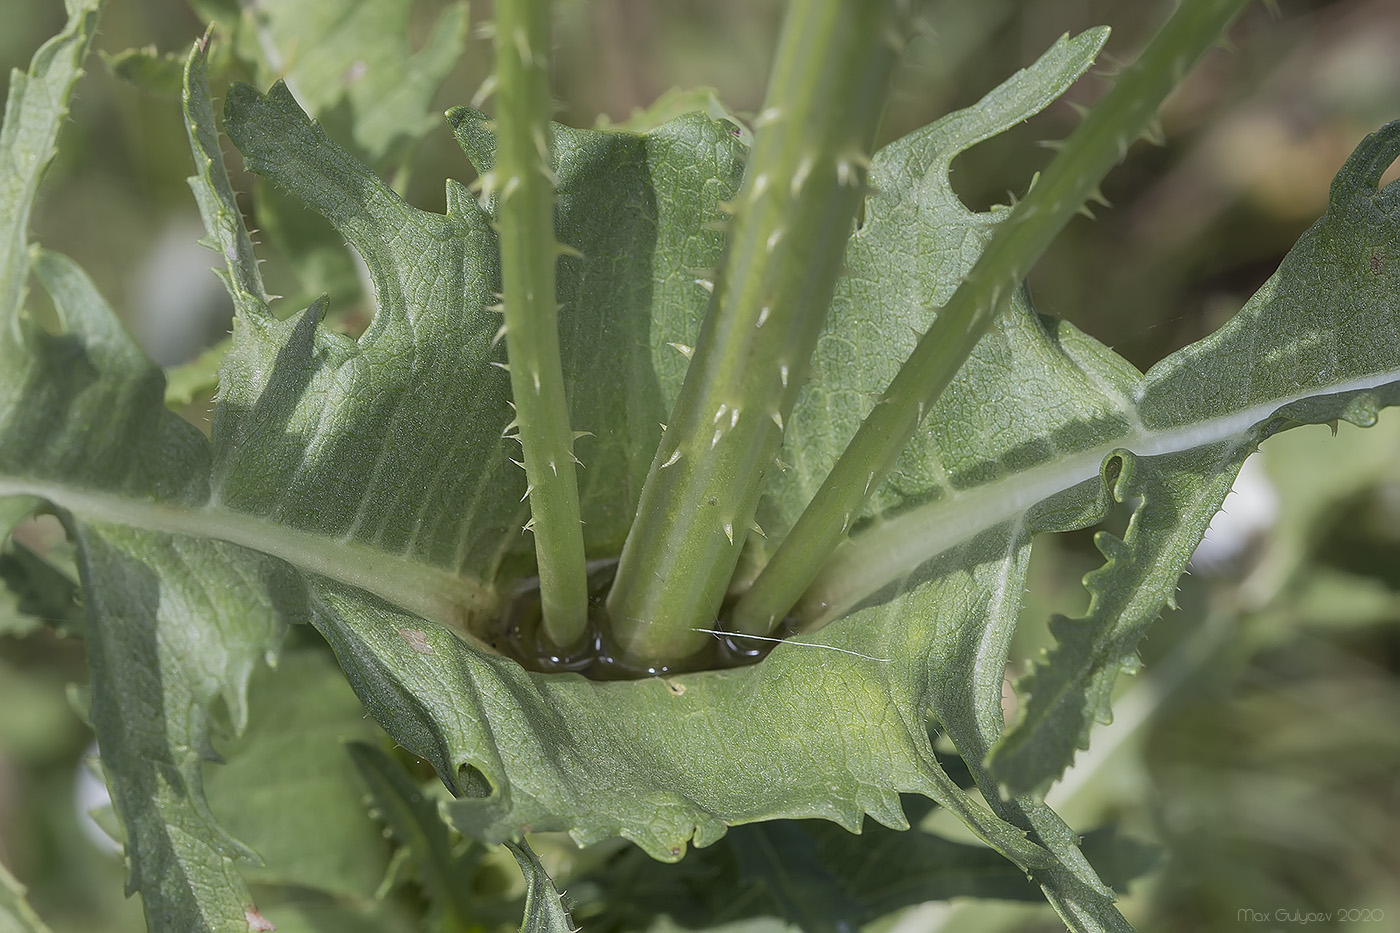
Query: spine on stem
1127,112
524,186
803,186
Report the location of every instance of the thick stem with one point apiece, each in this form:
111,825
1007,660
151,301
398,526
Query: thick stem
524,188
804,183
1126,112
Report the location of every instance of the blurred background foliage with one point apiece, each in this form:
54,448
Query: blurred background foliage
1253,762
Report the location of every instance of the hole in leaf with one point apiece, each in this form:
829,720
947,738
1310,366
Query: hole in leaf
473,783
1390,174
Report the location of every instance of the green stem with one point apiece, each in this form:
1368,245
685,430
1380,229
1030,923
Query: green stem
525,222
804,183
1099,143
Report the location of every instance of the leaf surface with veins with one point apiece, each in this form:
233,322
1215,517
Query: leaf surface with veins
375,471
352,66
175,624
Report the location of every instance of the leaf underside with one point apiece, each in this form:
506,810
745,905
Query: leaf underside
342,457
811,875
175,624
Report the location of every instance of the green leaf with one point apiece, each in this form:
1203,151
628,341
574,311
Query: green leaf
15,617
806,892
1021,398
544,908
307,243
16,916
148,69
350,65
819,877
34,110
171,631
186,382
674,104
36,592
175,625
416,823
987,290
1313,345
319,440
286,789
804,188
816,875
1000,460
642,211
287,382
321,503
917,243
784,739
374,469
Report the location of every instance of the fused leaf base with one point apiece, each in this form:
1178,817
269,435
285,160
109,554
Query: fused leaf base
368,486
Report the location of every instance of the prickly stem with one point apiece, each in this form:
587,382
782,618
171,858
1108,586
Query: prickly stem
525,222
1061,189
803,186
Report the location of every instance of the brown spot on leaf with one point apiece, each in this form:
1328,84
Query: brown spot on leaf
257,922
417,640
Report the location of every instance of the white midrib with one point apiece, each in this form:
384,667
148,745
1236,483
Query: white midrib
863,566
424,590
869,562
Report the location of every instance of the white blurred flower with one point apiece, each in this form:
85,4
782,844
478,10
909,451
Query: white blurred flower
90,794
1250,509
